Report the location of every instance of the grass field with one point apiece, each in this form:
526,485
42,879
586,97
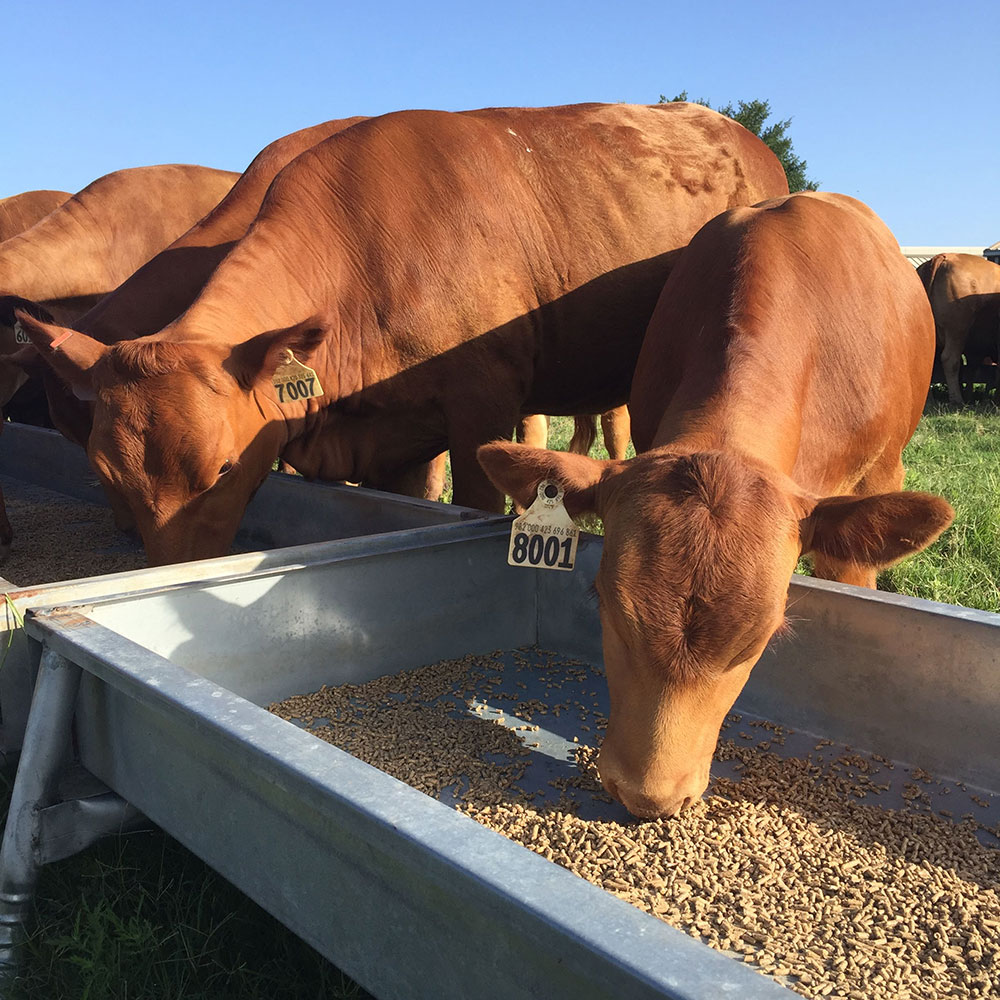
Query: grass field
956,454
140,917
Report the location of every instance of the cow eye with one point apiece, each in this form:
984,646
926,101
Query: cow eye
226,467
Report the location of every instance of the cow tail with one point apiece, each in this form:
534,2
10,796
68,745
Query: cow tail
584,434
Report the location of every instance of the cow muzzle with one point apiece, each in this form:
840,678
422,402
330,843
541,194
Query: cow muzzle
654,800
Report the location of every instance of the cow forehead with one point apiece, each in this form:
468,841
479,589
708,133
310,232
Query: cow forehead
146,365
701,504
696,562
162,427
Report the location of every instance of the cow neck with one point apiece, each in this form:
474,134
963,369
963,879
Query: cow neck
762,429
273,280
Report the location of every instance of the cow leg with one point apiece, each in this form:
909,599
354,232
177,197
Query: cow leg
951,363
425,480
533,430
584,434
617,427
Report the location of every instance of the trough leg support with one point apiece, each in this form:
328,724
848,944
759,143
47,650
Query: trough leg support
46,747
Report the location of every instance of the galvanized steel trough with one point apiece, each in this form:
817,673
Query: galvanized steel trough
166,690
286,511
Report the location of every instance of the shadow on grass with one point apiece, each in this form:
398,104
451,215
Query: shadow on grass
140,916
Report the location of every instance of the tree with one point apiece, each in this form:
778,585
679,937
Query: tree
753,116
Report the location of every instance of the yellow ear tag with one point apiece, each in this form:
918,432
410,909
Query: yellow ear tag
294,381
544,536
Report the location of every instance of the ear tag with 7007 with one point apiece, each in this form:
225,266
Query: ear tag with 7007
544,536
294,381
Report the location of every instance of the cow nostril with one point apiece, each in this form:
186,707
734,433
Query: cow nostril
686,803
611,788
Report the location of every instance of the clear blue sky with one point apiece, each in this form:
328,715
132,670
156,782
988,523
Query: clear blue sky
895,103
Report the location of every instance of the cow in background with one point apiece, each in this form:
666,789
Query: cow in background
443,273
964,293
91,243
783,371
22,211
18,213
80,250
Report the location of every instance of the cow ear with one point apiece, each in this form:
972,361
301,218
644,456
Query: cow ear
71,354
875,531
518,469
9,304
257,359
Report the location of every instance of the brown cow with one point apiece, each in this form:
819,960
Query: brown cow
85,247
163,288
964,292
22,211
770,408
17,213
443,273
89,245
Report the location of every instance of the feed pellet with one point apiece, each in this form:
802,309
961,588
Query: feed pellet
59,538
838,873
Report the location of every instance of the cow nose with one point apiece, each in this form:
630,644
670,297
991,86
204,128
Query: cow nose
653,800
646,806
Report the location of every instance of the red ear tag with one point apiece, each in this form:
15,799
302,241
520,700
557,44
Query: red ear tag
294,381
61,339
544,536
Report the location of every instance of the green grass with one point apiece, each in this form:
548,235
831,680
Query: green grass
141,918
956,454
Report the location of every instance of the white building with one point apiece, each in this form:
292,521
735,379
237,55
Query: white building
917,255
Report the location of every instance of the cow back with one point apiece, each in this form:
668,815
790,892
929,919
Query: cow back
799,321
529,238
22,211
165,286
98,237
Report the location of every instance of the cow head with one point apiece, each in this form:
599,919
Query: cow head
183,432
693,580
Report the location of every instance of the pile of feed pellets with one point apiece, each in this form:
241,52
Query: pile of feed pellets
57,537
838,873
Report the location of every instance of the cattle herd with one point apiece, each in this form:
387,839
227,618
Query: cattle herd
433,280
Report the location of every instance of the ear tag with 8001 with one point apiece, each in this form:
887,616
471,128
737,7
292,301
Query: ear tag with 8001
544,536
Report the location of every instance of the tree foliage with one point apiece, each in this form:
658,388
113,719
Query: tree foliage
753,116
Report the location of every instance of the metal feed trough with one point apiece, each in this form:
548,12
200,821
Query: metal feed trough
163,691
286,511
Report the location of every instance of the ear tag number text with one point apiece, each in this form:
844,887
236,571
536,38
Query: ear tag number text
544,536
20,337
294,381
